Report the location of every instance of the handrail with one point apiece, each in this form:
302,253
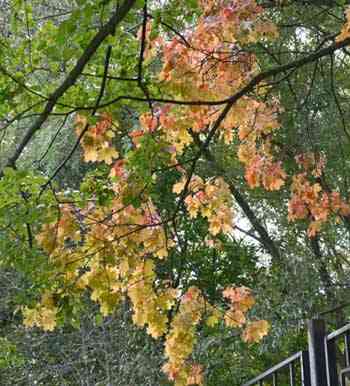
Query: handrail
339,332
318,365
275,368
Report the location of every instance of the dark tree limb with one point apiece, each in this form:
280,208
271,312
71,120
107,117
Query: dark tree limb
98,101
140,80
249,87
72,77
327,280
264,238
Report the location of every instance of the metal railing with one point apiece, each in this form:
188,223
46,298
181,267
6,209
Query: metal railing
337,354
325,363
300,359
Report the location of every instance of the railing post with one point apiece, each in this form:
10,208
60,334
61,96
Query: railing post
317,357
331,362
347,348
305,368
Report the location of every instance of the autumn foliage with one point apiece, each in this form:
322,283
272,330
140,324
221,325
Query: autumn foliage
117,247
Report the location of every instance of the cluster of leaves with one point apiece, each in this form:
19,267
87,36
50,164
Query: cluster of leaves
168,178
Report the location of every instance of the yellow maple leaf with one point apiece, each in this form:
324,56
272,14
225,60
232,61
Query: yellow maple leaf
48,318
90,154
148,269
214,318
47,238
30,317
255,331
107,154
179,186
314,228
345,32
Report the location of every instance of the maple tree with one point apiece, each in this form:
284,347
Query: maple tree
113,237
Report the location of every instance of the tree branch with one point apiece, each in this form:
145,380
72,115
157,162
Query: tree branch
98,100
70,80
264,238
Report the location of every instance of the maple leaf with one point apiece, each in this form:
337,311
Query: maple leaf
274,176
214,226
338,205
296,209
107,154
253,172
171,371
90,154
179,186
118,169
214,318
314,228
246,152
344,209
47,238
80,123
320,210
255,331
48,318
43,315
234,318
192,205
149,122
345,32
30,317
240,297
196,376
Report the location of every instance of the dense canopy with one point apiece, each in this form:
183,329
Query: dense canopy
181,166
